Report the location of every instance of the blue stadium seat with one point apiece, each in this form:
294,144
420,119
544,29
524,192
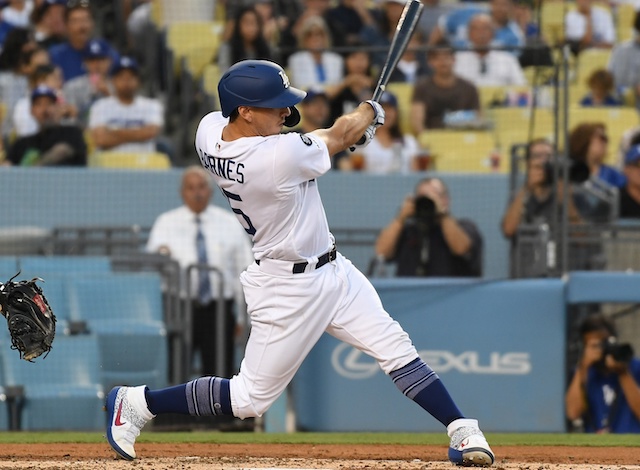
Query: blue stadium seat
125,312
63,390
39,266
8,267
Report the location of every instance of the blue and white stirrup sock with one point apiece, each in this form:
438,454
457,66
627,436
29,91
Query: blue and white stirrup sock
420,383
206,396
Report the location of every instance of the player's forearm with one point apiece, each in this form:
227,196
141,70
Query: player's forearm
631,391
575,404
348,129
457,239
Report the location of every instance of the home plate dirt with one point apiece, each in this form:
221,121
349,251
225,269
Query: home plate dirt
201,456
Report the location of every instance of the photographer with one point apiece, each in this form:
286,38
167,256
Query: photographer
604,391
425,240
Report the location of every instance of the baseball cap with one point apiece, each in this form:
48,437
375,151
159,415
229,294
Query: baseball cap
125,63
96,49
632,156
312,94
43,90
388,98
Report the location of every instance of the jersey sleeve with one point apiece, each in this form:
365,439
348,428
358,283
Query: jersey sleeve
300,158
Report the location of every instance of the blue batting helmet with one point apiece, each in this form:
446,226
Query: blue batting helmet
259,83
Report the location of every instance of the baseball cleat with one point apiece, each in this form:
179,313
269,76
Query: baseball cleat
128,413
468,446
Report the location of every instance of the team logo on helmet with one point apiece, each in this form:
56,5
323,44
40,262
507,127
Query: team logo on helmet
285,79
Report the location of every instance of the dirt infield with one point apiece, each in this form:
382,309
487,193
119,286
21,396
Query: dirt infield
199,456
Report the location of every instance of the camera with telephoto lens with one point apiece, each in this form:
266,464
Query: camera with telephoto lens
620,352
577,172
425,210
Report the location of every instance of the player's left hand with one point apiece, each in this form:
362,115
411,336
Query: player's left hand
378,110
366,138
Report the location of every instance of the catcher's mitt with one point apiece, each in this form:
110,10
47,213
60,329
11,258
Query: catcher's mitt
32,324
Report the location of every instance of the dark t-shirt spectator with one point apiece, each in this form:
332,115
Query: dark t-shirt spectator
440,261
629,207
463,95
38,149
343,103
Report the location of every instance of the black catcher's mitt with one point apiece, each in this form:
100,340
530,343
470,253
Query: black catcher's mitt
32,324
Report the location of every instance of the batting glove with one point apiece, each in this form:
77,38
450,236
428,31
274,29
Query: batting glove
378,110
366,138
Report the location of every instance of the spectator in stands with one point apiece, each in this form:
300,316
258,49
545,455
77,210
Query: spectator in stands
380,33
483,66
629,202
412,64
247,40
48,22
390,151
454,27
625,62
81,92
126,122
589,26
424,239
13,80
310,9
200,233
54,144
601,90
442,92
80,27
315,111
604,392
17,13
356,86
432,11
349,18
588,144
314,66
23,120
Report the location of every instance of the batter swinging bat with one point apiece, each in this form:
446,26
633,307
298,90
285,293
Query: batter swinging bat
404,30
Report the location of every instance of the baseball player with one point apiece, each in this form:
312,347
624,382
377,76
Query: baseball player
299,286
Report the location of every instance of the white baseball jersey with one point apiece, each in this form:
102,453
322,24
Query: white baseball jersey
271,186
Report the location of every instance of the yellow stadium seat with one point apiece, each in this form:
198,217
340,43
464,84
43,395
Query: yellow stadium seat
197,42
496,96
617,121
624,28
552,19
589,61
210,78
512,126
126,160
462,151
404,93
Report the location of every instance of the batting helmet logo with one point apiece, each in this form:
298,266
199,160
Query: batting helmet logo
258,83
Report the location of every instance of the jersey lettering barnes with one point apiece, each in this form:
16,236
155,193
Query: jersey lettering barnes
222,167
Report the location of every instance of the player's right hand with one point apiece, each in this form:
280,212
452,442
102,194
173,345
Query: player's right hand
378,110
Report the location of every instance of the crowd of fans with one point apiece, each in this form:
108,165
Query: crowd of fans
60,67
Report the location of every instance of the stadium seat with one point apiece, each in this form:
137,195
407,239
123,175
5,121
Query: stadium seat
62,391
198,42
125,160
496,96
125,312
552,19
624,27
617,121
40,266
512,126
590,60
404,93
462,151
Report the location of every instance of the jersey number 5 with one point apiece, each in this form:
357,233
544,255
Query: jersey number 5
251,230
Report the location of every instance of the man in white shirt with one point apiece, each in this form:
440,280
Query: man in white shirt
126,122
483,66
223,244
589,26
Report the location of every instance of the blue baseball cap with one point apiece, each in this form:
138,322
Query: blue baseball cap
43,90
125,63
632,156
96,49
389,98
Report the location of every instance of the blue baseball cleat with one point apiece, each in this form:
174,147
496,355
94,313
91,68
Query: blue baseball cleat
468,446
128,413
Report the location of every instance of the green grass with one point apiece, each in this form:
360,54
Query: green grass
577,440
